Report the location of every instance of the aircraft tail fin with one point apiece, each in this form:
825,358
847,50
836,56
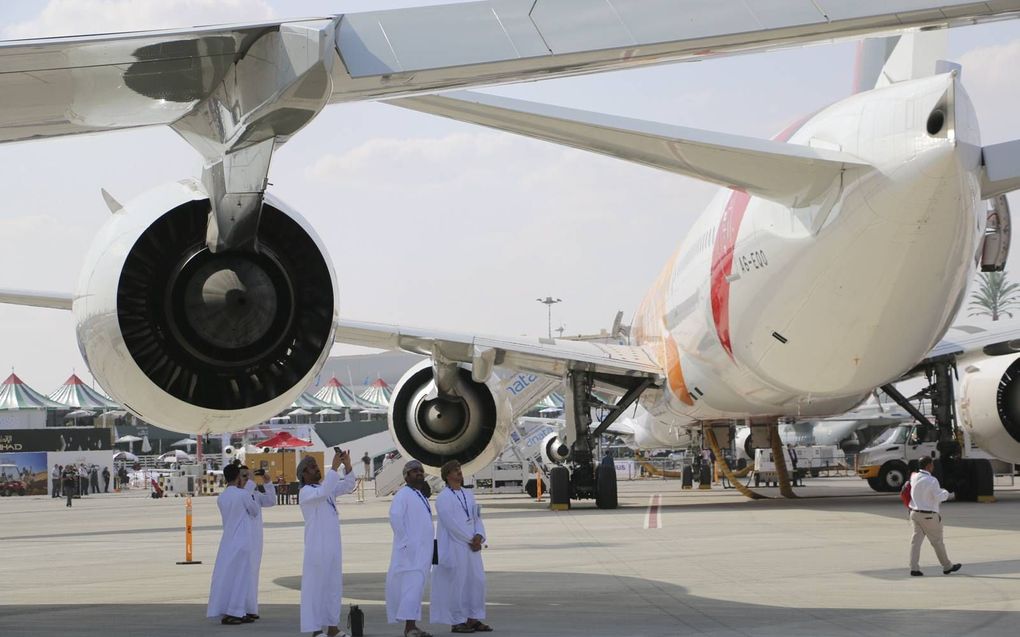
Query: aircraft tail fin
790,174
908,56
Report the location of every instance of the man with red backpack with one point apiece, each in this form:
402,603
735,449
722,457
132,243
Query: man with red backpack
925,495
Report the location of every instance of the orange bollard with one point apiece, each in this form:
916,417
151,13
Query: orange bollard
538,485
187,533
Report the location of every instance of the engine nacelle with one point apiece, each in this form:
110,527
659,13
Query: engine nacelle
473,428
196,341
990,405
554,450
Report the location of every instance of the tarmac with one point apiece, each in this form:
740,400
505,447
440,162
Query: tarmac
832,562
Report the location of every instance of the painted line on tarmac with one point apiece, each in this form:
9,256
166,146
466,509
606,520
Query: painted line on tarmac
653,518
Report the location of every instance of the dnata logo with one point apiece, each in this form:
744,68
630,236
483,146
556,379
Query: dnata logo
521,382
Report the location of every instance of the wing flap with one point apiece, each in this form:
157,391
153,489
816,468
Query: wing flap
549,357
790,174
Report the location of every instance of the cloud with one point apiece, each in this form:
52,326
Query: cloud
71,17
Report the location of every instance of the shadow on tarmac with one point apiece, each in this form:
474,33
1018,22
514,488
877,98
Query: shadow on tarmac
530,604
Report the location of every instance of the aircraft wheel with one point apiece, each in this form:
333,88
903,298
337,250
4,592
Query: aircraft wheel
531,488
605,487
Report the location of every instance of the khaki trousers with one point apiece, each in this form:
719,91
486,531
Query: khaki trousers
927,525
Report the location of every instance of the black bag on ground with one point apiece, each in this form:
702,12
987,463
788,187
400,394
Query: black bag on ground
356,621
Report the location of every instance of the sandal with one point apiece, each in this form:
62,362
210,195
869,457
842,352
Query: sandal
462,628
230,620
417,632
479,627
251,616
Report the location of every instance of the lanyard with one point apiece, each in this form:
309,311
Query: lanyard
424,500
328,498
462,498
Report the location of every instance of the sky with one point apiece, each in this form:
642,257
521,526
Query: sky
429,222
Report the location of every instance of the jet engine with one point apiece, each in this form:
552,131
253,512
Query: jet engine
990,405
554,450
198,341
471,425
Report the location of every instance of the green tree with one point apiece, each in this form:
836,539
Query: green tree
995,296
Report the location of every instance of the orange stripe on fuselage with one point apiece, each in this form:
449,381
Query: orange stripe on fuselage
650,329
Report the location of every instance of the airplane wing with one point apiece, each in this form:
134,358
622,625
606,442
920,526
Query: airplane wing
966,341
52,300
61,86
790,174
545,356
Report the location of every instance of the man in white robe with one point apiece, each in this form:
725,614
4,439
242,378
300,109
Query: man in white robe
321,574
232,573
411,559
264,498
458,581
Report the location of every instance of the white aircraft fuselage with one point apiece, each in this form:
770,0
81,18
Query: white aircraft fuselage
769,310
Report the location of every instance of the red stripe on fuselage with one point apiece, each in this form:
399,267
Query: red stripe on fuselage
722,251
722,265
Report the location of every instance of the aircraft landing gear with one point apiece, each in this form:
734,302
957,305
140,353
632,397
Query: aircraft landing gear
588,480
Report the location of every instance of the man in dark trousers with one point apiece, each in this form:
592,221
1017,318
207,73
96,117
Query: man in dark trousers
70,478
94,479
106,479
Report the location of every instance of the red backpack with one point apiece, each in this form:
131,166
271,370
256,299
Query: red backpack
905,494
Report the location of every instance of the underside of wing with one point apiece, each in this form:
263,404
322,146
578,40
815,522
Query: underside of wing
790,174
548,357
63,86
30,298
966,341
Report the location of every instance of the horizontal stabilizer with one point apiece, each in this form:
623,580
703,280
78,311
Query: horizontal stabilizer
1002,169
791,174
54,300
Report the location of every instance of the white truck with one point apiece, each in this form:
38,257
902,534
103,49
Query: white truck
885,463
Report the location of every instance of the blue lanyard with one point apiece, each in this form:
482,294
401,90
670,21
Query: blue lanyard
462,498
423,499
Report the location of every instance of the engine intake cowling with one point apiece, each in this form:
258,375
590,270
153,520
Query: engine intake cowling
990,405
472,427
198,341
554,450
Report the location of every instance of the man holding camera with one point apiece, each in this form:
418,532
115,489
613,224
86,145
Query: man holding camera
232,576
321,575
264,495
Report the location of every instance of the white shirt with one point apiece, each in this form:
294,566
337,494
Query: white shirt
925,492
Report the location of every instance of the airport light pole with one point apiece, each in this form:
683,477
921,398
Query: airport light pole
549,302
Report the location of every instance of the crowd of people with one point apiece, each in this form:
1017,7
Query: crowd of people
446,548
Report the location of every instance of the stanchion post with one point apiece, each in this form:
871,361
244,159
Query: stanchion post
187,533
538,485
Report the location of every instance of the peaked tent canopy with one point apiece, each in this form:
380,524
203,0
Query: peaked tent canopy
309,402
378,393
15,394
284,440
339,395
76,393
